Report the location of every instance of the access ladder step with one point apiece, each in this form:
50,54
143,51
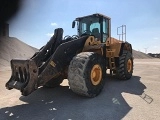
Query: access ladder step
112,63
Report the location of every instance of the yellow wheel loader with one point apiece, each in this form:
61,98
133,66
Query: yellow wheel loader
83,59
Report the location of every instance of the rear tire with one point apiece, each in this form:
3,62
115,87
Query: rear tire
54,82
86,74
125,69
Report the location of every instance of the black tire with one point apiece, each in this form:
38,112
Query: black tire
55,82
79,74
123,71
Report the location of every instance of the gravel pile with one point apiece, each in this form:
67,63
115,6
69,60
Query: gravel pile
140,55
10,48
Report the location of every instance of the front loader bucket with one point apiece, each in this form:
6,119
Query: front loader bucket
24,76
29,74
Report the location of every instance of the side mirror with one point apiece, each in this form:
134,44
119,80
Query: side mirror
73,24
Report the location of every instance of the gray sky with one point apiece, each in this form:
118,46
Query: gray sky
36,21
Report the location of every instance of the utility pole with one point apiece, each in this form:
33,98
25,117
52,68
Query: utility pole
146,50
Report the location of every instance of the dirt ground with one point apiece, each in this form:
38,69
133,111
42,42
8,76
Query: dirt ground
135,99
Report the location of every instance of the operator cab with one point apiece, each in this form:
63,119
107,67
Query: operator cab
97,25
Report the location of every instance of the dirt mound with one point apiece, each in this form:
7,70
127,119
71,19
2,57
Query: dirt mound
10,48
140,55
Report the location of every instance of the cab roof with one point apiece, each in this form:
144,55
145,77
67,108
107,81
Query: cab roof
96,14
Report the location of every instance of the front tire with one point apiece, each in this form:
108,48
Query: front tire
86,74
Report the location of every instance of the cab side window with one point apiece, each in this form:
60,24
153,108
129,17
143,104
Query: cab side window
105,29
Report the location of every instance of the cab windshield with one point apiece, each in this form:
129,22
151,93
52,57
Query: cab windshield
90,26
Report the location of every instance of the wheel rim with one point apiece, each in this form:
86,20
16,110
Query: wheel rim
129,65
96,74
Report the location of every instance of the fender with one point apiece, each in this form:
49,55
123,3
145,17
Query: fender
125,46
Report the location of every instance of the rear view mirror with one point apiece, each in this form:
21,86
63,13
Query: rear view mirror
73,24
